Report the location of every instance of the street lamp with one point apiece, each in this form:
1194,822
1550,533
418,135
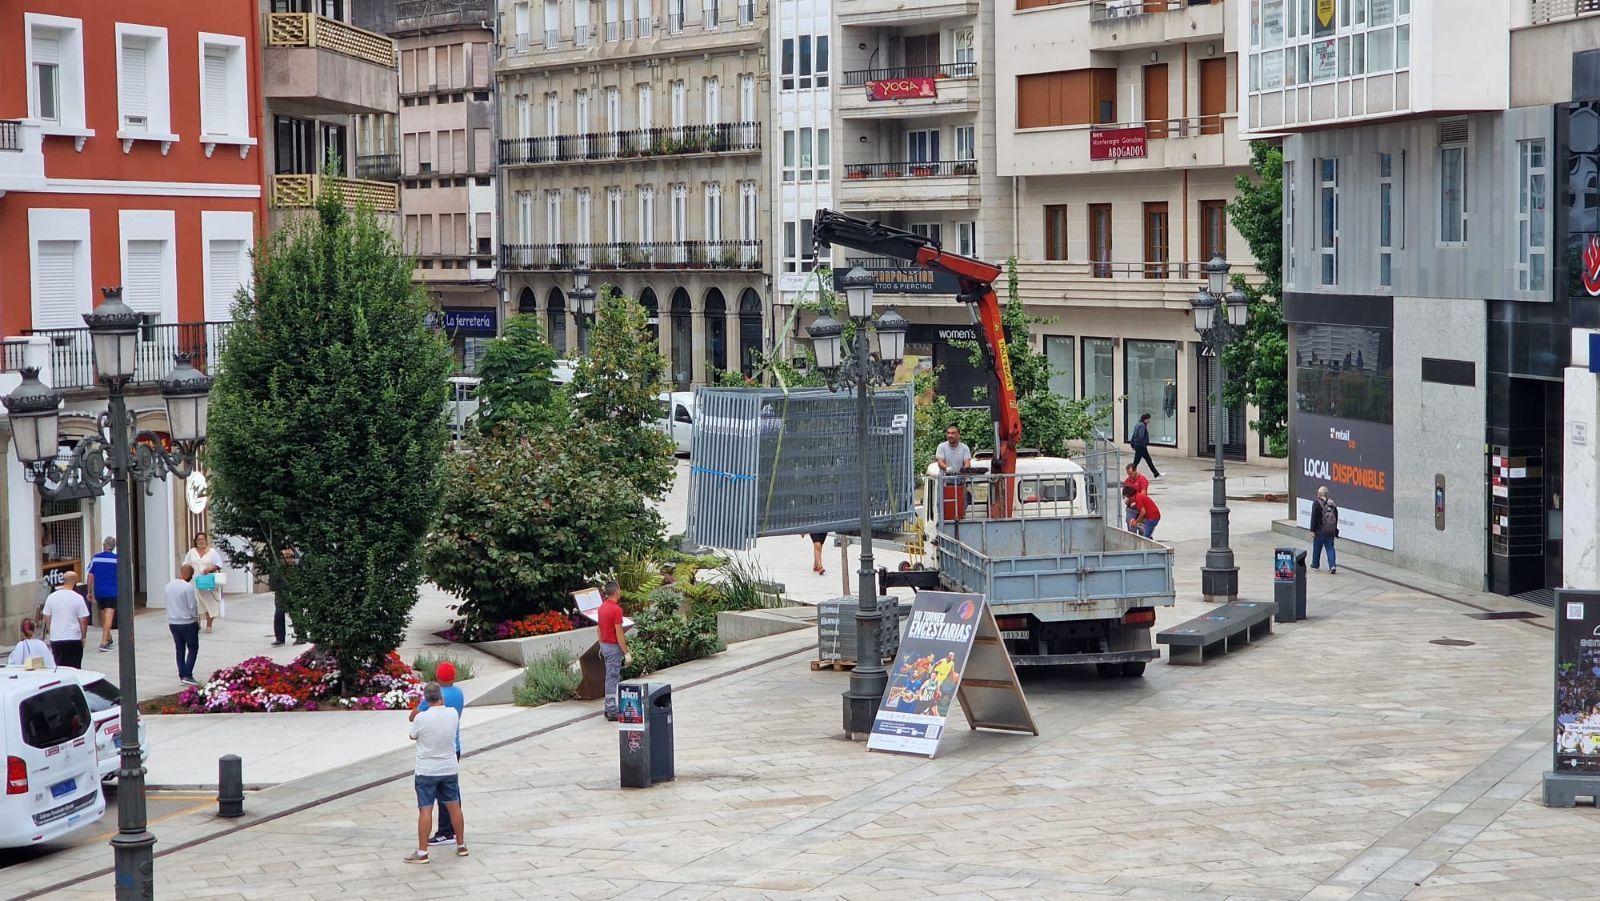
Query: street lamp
110,457
861,371
1218,318
583,298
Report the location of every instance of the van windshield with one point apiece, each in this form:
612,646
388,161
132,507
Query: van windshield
53,716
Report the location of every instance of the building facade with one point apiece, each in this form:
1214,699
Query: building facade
130,154
632,142
799,166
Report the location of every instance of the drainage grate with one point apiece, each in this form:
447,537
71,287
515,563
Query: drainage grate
1544,597
1453,642
1507,614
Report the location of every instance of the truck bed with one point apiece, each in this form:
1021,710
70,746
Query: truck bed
1061,567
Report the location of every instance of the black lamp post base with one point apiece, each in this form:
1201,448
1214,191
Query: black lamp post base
1219,585
133,854
859,712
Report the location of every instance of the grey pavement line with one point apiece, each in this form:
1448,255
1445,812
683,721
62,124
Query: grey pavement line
383,780
1395,852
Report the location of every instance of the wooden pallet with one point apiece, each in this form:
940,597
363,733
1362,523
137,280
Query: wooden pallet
838,666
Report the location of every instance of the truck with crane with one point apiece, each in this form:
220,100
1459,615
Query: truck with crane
1036,535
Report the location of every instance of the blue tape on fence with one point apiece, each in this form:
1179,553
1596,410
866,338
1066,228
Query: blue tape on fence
701,470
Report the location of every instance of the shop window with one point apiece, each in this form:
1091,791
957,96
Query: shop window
1150,378
1531,181
1099,379
61,527
1058,353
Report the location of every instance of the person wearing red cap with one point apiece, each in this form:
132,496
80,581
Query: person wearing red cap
30,647
445,675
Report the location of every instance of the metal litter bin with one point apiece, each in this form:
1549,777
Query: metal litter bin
658,725
633,739
1289,583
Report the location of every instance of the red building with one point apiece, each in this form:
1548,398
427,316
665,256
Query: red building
128,156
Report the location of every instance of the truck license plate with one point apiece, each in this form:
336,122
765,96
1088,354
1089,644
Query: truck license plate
1015,635
63,788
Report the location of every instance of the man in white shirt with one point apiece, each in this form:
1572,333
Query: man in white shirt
66,621
438,773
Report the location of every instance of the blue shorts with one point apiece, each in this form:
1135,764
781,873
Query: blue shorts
441,789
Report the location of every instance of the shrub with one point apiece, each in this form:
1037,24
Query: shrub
427,666
744,586
664,635
548,678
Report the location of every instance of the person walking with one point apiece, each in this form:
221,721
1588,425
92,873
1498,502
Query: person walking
1140,440
613,642
438,772
103,588
818,539
279,583
1324,529
66,622
445,675
183,621
30,647
206,562
1138,483
1145,512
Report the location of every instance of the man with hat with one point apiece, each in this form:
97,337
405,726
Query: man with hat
445,675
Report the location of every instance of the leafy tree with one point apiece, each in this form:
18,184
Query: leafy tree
616,387
516,386
1259,361
327,429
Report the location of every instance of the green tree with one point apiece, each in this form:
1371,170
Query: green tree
515,386
1258,362
616,387
327,429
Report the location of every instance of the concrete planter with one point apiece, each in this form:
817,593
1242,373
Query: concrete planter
523,651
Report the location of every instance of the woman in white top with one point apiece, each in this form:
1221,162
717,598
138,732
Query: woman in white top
30,647
205,559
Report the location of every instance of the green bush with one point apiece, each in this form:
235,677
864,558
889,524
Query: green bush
744,586
547,679
427,666
664,635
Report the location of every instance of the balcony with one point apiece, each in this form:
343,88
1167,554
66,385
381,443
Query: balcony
905,92
633,255
1197,142
378,166
21,156
1543,11
938,185
1139,24
323,66
1161,285
294,191
851,13
687,140
72,351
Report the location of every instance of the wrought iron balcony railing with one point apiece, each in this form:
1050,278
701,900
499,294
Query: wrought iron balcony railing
727,137
72,351
914,169
633,255
856,78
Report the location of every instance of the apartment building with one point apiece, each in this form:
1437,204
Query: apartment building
800,166
1431,295
129,155
447,162
915,110
632,140
1119,130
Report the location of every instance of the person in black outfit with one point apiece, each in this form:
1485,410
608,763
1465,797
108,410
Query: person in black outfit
280,590
1141,446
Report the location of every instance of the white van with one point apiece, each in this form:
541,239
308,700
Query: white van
52,783
105,708
1041,487
677,419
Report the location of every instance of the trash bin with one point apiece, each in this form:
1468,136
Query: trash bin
633,739
1289,583
658,725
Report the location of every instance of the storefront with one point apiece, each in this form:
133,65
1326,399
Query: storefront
469,329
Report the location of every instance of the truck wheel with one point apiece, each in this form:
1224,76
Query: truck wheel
1108,670
1133,670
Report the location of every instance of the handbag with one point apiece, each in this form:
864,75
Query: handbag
207,582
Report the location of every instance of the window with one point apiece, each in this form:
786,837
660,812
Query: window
614,120
822,61
678,104
1453,195
966,54
47,79
552,217
966,143
1076,97
613,25
1288,218
791,141
643,99
824,154
584,214
790,258
1055,232
149,269
60,268
1385,220
227,238
54,716
922,146
1099,365
713,96
1058,354
1151,381
713,227
552,24
967,238
613,215
786,66
1328,219
580,112
647,214
675,15
582,31
1157,240
680,215
709,15
749,219
1530,215
1213,229
55,73
552,115
524,216
807,173
224,95
805,61
930,230
747,98
143,100
1100,240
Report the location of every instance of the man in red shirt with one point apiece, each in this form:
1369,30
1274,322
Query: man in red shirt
613,642
1145,512
1138,483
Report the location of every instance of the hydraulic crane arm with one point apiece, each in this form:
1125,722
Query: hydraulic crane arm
976,279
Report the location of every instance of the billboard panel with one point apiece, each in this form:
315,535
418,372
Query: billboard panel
1355,460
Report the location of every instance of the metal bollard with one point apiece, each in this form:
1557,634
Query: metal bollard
230,786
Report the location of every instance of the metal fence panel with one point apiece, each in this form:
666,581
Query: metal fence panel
774,462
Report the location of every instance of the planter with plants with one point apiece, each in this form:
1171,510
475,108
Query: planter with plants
966,169
922,171
854,173
730,258
890,173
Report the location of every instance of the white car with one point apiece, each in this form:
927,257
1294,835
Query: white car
52,782
105,706
677,419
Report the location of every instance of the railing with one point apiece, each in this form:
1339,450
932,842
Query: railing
747,12
379,166
934,169
310,30
13,355
1101,10
580,36
727,137
646,26
1542,11
613,31
552,37
1156,129
1149,269
709,16
10,134
856,78
418,14
296,190
72,351
674,23
633,255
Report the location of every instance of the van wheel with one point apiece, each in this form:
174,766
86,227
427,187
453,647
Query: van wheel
1133,670
1108,670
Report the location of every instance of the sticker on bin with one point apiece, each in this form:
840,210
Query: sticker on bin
630,708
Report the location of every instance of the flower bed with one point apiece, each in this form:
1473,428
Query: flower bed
259,685
548,623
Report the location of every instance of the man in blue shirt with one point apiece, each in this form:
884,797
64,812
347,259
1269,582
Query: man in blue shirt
103,588
445,675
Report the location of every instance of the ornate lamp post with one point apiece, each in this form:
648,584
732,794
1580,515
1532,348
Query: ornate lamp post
111,457
1218,318
861,371
583,299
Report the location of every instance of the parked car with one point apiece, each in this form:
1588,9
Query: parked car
105,707
677,419
52,773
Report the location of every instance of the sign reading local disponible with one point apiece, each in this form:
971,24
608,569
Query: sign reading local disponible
902,88
1577,724
469,321
1117,144
1355,460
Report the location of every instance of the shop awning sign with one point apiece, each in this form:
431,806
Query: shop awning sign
470,321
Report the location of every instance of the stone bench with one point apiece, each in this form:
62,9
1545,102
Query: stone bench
1224,629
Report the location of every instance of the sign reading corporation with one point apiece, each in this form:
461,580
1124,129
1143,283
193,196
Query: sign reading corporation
906,280
1355,460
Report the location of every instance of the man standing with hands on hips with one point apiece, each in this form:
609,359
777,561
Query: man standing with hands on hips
613,642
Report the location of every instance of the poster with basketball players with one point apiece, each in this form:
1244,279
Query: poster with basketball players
924,678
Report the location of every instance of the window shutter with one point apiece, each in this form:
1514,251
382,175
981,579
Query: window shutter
1453,131
141,289
214,110
135,87
225,278
55,288
46,49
